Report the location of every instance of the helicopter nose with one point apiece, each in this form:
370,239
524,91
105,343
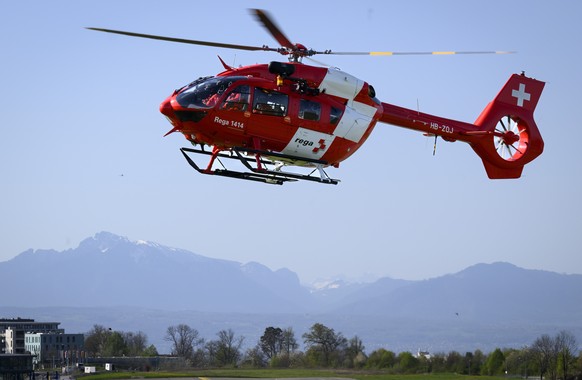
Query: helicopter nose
168,111
166,108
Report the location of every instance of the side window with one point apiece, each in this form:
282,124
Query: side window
335,115
237,100
309,110
270,102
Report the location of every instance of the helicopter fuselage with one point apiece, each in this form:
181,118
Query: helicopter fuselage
300,115
298,110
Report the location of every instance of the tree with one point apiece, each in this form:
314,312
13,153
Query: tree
288,341
355,356
477,362
494,363
542,353
578,366
554,355
454,362
381,359
407,362
184,339
283,350
115,345
95,340
437,362
136,342
102,341
514,361
254,357
271,342
566,346
226,349
325,341
211,348
468,361
151,350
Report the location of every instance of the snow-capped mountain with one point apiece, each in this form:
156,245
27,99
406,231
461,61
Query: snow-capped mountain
110,270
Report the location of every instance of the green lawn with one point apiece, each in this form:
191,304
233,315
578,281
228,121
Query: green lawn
284,373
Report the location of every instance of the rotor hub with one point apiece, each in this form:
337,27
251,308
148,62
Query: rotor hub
510,138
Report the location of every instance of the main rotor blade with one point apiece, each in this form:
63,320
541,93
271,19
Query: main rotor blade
390,53
267,21
185,41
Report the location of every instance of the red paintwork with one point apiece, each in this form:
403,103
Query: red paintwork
479,135
226,129
296,114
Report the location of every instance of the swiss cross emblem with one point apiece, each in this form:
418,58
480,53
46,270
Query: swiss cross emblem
321,146
520,94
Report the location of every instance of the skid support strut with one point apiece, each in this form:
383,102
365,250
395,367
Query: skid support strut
261,160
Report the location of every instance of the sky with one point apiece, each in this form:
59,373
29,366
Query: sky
82,147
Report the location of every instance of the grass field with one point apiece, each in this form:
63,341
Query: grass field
284,373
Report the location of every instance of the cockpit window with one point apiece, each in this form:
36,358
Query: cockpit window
238,99
335,115
267,102
309,110
204,93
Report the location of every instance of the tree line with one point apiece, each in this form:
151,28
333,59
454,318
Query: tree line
551,357
102,341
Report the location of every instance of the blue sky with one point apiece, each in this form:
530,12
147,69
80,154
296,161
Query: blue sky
82,148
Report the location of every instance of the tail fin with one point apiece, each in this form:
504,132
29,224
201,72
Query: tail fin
511,137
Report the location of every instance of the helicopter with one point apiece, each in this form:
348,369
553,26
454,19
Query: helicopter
273,116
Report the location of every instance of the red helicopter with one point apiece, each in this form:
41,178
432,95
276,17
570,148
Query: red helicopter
268,116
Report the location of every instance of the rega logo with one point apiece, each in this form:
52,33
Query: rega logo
304,142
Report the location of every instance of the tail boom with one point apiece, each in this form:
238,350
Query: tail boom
504,136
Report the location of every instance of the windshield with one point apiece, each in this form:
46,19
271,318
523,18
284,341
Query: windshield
204,92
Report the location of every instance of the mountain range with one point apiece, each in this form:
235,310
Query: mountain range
110,270
108,276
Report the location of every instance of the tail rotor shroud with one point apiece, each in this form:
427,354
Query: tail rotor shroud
511,138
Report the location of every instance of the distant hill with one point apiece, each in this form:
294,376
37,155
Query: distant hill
109,270
145,286
498,292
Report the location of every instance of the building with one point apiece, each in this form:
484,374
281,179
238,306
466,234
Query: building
55,348
29,325
15,366
12,332
14,341
44,340
422,354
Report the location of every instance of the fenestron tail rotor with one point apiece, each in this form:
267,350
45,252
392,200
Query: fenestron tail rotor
510,138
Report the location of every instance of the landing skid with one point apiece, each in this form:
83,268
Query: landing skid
258,166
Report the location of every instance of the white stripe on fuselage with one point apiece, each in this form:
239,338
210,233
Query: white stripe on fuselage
355,121
353,124
309,144
343,85
357,116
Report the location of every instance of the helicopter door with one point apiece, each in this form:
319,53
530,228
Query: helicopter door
270,103
233,111
269,117
355,121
